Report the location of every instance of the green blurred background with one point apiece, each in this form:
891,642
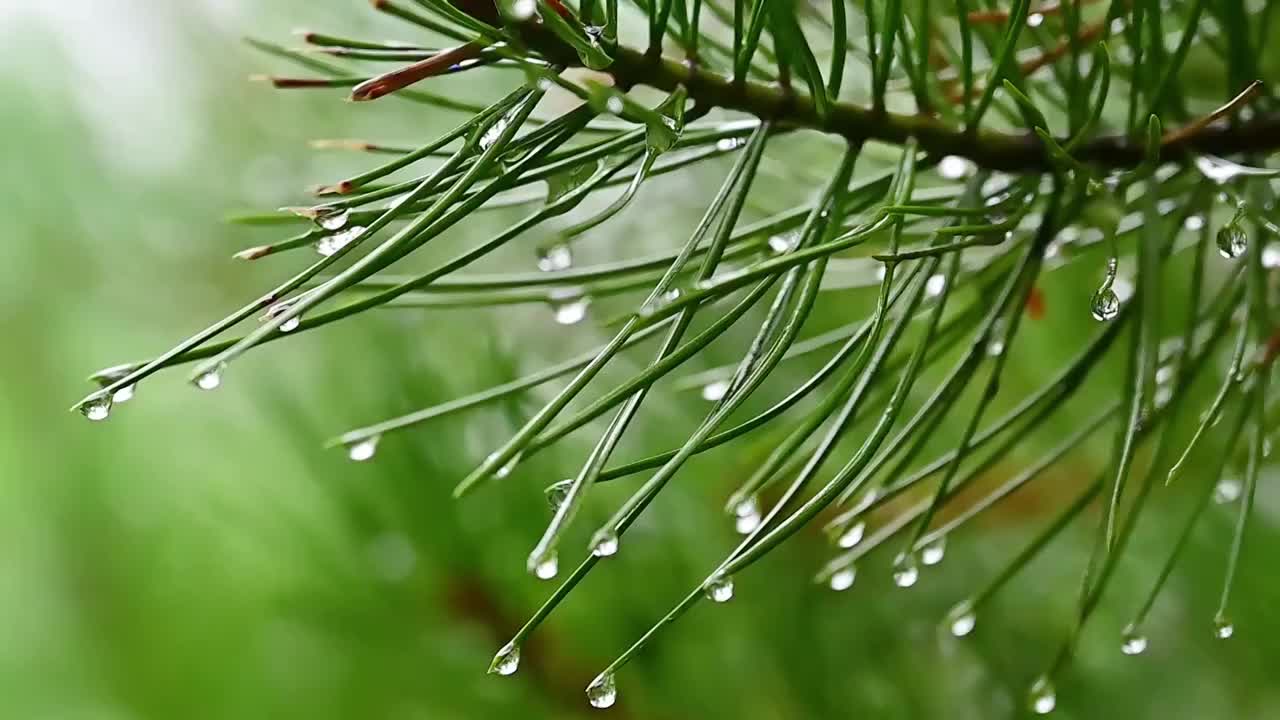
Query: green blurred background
201,556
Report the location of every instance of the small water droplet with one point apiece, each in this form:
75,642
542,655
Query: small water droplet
557,493
210,379
606,545
905,571
1035,20
780,244
334,219
730,143
569,306
852,535
1043,698
995,347
124,394
1223,628
96,408
506,469
719,589
331,244
1232,241
1227,490
1106,304
1133,643
614,105
603,691
291,324
934,285
1193,223
961,620
554,258
507,661
363,450
933,553
954,167
715,390
544,567
843,579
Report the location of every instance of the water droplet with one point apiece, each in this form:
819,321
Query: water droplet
333,219
1271,256
1043,698
716,390
614,105
554,258
544,567
291,324
954,167
1227,491
603,691
1133,643
746,524
843,579
727,144
961,620
852,535
606,544
934,285
124,394
507,661
1106,304
780,244
1035,20
557,493
569,305
719,589
995,347
210,379
1222,628
492,134
933,553
522,10
96,408
363,450
1166,206
331,244
1193,223
905,571
1232,241
505,470
1221,171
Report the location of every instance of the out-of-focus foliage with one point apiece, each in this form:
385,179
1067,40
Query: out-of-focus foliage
200,556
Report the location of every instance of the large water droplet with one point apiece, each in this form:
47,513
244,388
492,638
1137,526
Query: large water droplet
1133,642
934,285
719,589
210,379
1232,240
954,167
843,579
507,661
363,450
1043,698
558,492
96,408
333,219
569,305
933,553
555,258
522,10
747,516
291,324
331,244
1222,628
1105,305
1227,490
603,691
715,390
544,567
852,535
905,571
961,620
605,545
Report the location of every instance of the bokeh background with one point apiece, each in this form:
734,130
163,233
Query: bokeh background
202,556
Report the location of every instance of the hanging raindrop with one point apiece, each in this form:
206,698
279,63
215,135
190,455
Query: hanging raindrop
1222,628
96,408
1232,240
124,394
507,661
954,167
1133,643
843,579
544,567
363,450
934,285
933,553
557,493
715,390
961,620
555,258
719,589
905,571
747,516
606,544
1106,303
852,535
603,691
334,219
210,379
1227,491
1043,698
